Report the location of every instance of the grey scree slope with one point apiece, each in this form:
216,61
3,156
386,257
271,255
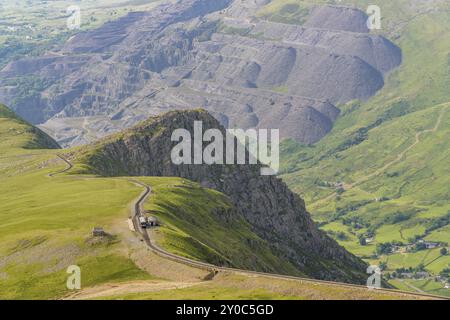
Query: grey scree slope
214,54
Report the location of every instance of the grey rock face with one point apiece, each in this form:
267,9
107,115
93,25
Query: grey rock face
204,53
275,213
377,51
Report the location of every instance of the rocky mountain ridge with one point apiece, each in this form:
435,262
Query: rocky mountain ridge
276,214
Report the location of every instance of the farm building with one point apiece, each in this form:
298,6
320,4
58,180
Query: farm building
431,245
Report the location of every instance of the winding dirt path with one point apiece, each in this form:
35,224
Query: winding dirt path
111,289
67,168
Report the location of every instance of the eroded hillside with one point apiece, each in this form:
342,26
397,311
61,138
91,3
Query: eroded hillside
223,56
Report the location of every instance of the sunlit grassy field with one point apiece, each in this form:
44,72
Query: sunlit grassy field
45,221
46,224
374,144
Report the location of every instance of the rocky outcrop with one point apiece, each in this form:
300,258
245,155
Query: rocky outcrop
275,213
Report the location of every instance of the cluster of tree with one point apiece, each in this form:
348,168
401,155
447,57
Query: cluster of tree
384,248
445,273
362,240
358,137
415,238
398,217
351,207
410,270
439,223
420,246
355,222
387,247
339,235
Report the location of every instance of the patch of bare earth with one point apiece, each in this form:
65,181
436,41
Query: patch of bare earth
107,290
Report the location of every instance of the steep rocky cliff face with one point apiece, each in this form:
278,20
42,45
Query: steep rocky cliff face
275,213
220,55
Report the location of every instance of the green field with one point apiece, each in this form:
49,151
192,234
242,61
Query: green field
390,153
47,223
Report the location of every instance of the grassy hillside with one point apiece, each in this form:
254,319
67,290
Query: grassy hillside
45,227
46,224
382,173
21,135
47,221
205,228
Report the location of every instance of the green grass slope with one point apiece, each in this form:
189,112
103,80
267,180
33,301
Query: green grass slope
17,134
200,224
383,172
46,225
46,222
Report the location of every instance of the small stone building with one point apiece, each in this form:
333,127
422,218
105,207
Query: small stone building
98,232
152,222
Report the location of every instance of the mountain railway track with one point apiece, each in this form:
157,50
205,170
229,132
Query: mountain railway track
215,269
138,211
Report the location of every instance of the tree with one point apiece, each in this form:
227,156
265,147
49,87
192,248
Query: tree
421,268
384,248
362,241
420,246
341,236
444,251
